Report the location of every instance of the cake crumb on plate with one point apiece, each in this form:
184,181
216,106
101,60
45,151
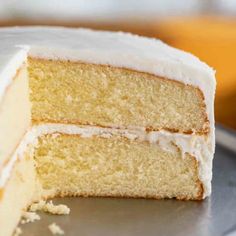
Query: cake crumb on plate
18,231
38,206
49,207
28,217
55,229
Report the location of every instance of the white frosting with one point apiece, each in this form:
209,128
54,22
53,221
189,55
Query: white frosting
8,68
119,50
196,146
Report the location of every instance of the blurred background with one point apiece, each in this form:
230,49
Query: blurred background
206,28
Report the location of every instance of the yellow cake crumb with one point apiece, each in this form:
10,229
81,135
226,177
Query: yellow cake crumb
18,231
28,217
49,207
55,229
37,206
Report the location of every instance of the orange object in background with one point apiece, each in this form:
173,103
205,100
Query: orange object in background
213,40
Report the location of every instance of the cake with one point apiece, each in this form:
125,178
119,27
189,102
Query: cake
95,113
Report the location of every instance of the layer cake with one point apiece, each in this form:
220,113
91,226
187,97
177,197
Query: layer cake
93,113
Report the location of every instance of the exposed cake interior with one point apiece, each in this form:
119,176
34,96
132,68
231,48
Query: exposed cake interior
116,99
79,93
114,166
105,131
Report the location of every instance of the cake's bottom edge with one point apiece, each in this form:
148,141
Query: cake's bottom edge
125,196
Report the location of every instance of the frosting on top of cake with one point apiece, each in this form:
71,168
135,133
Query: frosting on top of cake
103,47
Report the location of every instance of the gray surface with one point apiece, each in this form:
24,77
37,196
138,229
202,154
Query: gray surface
106,216
226,137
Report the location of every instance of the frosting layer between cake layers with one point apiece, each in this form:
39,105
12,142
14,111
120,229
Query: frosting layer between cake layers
195,145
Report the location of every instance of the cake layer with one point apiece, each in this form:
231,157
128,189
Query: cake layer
199,147
18,193
14,115
71,165
79,93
